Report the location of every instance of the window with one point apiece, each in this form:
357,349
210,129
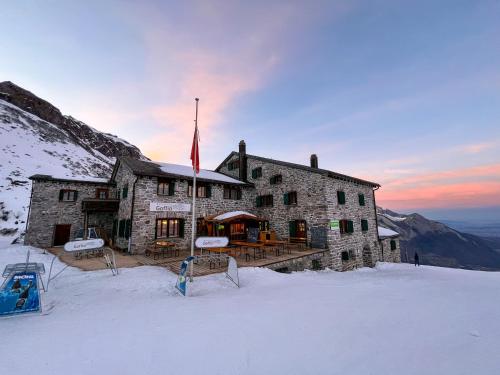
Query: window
277,179
125,192
290,198
264,201
232,192
345,256
264,226
237,228
68,195
169,228
341,197
233,164
364,225
257,173
361,199
115,228
346,226
102,193
166,187
202,190
393,245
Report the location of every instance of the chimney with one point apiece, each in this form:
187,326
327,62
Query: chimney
314,161
243,160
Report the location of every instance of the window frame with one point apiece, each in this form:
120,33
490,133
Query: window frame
233,192
168,229
361,199
102,190
257,173
64,195
364,225
276,179
341,198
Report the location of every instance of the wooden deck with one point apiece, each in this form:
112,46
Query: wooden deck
173,263
204,268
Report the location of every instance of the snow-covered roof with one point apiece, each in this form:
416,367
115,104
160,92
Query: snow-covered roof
71,178
184,170
384,232
229,215
160,169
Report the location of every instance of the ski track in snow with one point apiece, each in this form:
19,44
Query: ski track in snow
394,319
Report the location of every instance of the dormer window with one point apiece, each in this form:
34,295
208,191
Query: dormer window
233,164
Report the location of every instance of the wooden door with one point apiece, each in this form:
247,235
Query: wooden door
301,230
61,234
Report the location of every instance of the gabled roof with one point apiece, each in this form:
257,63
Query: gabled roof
168,170
325,172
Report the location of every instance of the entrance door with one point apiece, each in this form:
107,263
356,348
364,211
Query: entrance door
61,234
301,228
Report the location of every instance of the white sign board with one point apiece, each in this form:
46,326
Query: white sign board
95,243
208,242
169,207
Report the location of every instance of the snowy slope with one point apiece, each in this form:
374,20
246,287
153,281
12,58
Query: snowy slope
359,322
29,145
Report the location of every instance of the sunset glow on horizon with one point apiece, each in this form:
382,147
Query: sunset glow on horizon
403,94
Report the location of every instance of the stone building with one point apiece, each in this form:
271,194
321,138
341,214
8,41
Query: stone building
389,245
144,201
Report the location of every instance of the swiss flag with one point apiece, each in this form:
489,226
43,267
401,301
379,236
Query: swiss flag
195,153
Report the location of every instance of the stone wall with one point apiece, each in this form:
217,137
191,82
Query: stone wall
124,177
315,261
144,221
47,211
388,255
317,204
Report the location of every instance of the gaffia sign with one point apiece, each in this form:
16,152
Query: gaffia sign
169,207
20,294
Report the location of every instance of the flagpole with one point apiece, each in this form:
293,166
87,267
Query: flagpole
195,162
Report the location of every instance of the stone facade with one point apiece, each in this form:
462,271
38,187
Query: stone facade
387,254
47,211
315,204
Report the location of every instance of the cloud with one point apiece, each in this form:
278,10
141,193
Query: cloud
477,148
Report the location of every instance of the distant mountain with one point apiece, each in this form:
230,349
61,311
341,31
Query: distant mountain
36,138
440,245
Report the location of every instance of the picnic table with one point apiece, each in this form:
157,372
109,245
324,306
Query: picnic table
255,246
276,244
162,247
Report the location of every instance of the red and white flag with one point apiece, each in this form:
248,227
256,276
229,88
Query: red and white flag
195,153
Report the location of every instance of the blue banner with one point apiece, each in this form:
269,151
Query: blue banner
20,294
181,281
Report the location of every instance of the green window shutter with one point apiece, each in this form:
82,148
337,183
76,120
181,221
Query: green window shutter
393,245
292,228
61,195
238,194
258,201
127,229
361,199
181,228
171,188
341,197
125,192
364,225
209,191
254,173
286,199
75,196
156,229
121,228
115,224
350,226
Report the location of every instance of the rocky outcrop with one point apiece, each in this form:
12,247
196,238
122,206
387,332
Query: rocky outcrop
80,133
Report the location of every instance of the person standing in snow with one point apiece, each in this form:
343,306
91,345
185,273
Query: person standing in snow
417,260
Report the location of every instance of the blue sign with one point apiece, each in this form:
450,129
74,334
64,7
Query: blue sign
20,294
181,281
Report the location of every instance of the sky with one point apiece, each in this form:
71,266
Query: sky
403,93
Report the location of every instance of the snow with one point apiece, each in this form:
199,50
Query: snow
83,178
394,319
184,170
384,232
231,214
394,218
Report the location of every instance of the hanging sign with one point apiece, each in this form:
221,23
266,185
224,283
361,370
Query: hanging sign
84,245
20,294
208,242
169,207
334,225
